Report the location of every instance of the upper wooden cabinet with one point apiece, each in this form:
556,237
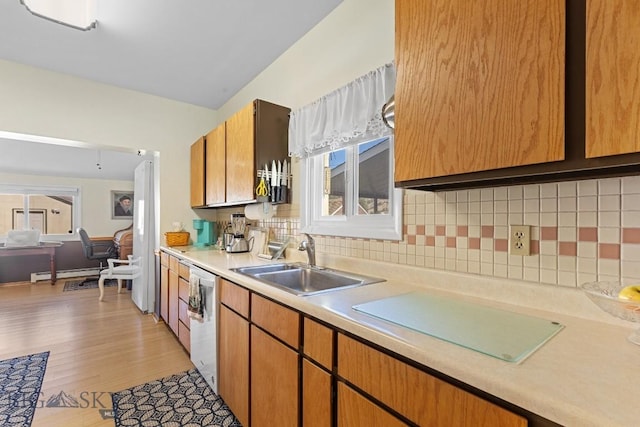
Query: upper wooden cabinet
241,164
197,172
215,165
232,154
480,85
613,77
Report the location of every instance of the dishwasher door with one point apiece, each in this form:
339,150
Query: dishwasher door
204,332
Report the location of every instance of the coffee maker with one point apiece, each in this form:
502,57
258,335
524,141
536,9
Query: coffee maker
237,243
205,231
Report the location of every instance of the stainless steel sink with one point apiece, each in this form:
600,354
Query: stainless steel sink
304,280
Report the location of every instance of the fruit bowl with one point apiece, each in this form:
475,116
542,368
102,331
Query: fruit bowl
605,296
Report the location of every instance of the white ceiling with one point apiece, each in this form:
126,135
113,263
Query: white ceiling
48,159
197,51
201,52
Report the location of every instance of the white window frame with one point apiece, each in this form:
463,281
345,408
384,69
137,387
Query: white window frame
27,190
382,226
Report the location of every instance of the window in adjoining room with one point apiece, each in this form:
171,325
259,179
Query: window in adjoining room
52,210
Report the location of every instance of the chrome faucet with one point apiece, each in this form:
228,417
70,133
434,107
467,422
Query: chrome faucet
309,245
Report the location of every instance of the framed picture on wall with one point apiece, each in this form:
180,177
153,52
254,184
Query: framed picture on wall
121,204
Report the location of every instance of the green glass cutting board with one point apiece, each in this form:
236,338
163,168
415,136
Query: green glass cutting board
499,333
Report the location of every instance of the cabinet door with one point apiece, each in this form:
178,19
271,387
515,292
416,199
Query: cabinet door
355,410
164,293
174,283
316,396
420,397
197,173
233,362
241,167
215,171
613,77
480,85
274,382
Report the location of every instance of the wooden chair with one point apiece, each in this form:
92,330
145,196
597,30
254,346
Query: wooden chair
127,269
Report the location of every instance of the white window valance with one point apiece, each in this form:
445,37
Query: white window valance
346,116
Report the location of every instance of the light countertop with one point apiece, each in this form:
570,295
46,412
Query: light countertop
583,376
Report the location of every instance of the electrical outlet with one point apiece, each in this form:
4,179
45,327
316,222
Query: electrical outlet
520,240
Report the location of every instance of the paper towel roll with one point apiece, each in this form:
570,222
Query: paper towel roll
260,211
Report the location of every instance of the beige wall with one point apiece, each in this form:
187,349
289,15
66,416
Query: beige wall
357,37
354,39
39,102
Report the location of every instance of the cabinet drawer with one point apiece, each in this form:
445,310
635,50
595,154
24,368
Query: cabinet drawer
183,313
183,271
164,259
355,410
276,319
174,264
183,289
422,398
234,297
318,342
184,335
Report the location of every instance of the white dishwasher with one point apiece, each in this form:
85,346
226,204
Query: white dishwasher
204,333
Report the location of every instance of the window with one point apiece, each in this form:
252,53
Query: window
350,192
347,161
52,210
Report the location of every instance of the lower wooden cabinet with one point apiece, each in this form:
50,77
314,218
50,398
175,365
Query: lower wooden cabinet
164,292
416,395
317,392
316,396
233,358
174,297
356,410
274,373
184,322
174,284
274,382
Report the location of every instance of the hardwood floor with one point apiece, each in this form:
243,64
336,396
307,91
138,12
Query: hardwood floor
96,348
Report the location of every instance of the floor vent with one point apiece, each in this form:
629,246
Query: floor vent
64,274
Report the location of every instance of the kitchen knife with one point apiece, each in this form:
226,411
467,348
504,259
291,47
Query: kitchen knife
279,179
283,182
274,181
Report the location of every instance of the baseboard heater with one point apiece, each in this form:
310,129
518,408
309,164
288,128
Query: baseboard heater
63,274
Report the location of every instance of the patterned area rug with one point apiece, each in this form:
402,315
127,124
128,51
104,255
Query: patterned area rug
76,285
20,383
183,399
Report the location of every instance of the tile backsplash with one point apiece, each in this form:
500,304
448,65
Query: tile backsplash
580,231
